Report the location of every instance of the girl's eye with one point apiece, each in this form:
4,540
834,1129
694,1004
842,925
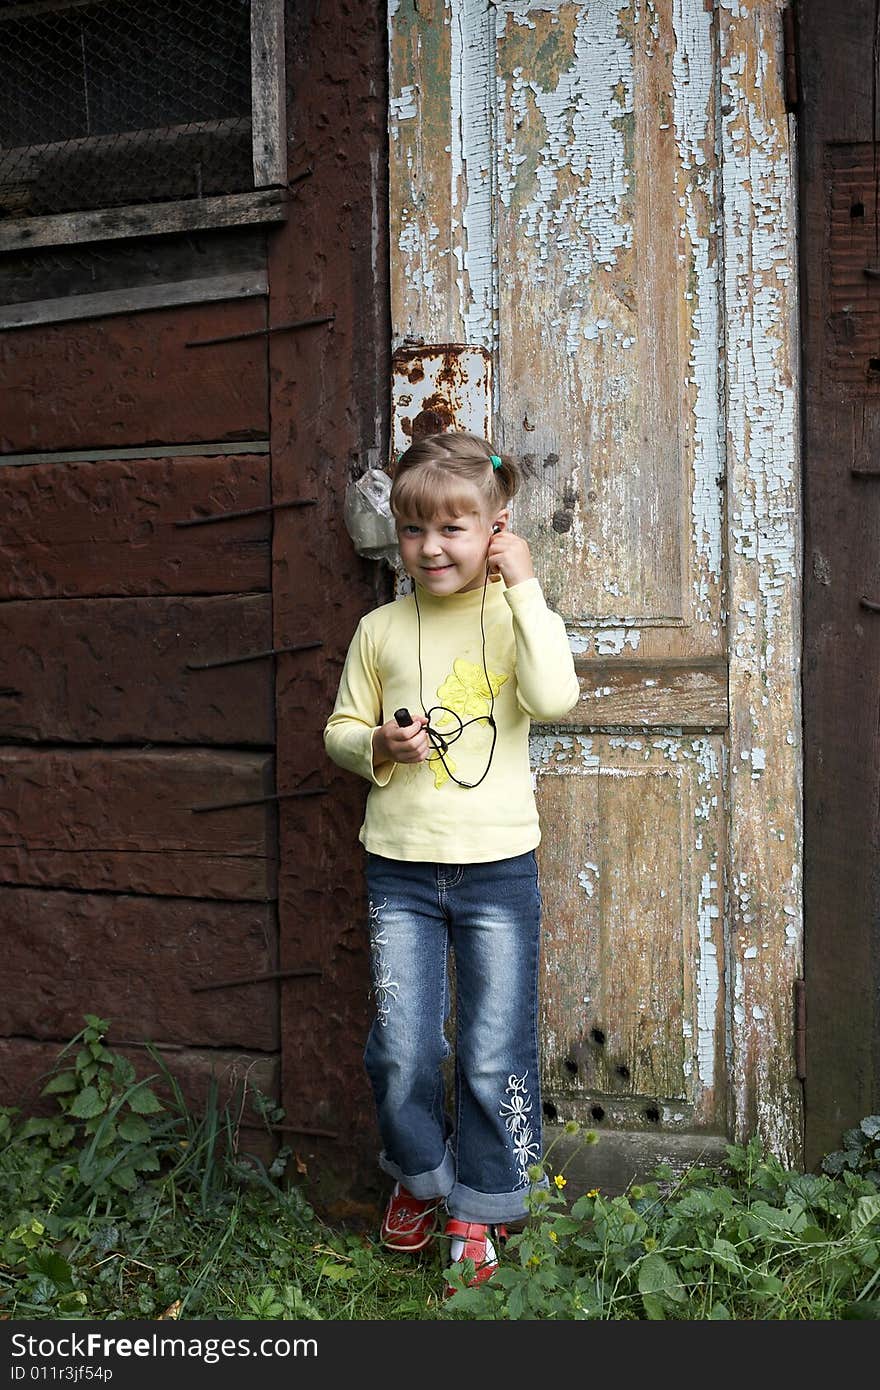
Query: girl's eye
452,528
411,530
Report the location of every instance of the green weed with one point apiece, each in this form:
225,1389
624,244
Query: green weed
127,1206
748,1240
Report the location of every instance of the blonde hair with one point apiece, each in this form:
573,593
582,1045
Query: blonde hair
438,471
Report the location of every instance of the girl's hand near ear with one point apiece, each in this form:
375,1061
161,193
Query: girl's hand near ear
509,558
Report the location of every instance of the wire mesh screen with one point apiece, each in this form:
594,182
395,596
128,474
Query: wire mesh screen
116,102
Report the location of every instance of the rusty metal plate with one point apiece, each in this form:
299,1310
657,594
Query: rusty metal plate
439,387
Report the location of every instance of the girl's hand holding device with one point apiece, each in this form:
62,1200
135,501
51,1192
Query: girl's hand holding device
401,744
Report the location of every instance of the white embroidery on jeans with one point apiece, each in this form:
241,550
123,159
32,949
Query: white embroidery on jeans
384,987
515,1113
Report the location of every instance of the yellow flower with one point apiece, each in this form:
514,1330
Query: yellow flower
441,767
560,1181
466,690
593,1192
553,1236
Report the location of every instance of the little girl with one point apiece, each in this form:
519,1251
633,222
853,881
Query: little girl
433,709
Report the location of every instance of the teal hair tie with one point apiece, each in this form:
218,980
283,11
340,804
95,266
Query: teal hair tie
495,460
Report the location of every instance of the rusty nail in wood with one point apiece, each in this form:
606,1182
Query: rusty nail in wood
251,656
253,979
260,800
249,511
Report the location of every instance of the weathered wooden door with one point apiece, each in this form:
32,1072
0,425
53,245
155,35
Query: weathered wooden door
598,195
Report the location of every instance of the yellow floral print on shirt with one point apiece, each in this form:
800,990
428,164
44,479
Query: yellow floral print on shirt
467,693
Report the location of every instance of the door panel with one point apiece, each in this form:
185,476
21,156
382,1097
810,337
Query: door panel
556,199
633,1010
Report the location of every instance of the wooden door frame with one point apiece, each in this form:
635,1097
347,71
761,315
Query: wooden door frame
842,539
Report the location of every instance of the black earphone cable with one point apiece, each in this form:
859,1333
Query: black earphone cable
440,742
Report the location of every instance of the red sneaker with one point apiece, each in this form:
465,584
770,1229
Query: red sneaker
480,1244
409,1222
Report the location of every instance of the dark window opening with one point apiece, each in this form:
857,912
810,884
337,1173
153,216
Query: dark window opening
110,104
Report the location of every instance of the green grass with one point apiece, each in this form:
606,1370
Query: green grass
125,1206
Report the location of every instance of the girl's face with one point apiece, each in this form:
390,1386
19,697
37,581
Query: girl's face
447,555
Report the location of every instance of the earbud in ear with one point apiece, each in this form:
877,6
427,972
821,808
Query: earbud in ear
495,529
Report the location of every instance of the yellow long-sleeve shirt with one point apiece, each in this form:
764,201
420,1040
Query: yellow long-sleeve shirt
415,810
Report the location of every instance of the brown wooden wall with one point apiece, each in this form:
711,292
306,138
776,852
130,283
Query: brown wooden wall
840,315
125,890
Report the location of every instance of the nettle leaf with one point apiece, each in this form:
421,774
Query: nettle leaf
143,1101
655,1309
106,1136
870,1126
123,1072
61,1135
338,1273
145,1160
88,1104
32,1128
135,1129
124,1177
657,1276
64,1081
814,1235
865,1213
863,1309
834,1163
726,1255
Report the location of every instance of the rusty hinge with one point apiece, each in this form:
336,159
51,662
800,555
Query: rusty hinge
800,1029
789,51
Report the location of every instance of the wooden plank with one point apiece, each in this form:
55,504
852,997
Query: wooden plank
624,1157
122,821
54,272
763,548
91,306
322,262
841,545
242,446
107,528
684,693
148,219
137,959
268,93
157,135
25,1063
41,7
117,671
131,380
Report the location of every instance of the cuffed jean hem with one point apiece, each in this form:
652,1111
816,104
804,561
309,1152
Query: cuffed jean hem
489,1208
438,1183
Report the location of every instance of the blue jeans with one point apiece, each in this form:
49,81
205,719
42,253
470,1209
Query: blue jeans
491,915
